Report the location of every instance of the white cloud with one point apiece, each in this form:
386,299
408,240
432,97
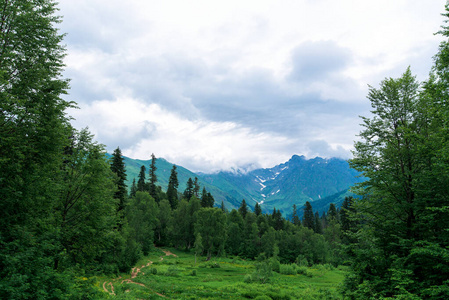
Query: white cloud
222,84
199,145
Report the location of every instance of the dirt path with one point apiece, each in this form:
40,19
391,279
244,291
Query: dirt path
134,272
168,253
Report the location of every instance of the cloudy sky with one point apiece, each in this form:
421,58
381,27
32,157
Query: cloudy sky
220,85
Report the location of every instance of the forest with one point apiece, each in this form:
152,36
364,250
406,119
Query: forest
67,214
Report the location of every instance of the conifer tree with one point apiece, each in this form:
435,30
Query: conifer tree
207,200
132,192
308,219
188,192
153,179
257,209
243,209
318,225
295,218
141,185
223,208
332,212
172,190
118,167
196,188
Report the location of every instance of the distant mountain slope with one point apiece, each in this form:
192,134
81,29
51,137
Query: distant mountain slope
296,181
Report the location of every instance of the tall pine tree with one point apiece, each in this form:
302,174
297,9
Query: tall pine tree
118,167
172,190
153,178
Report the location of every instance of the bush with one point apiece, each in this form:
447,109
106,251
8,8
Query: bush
172,271
263,297
153,271
262,274
288,269
304,271
275,265
302,261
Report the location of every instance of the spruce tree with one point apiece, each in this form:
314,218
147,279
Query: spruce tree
172,190
153,179
196,187
243,209
141,185
332,212
318,225
188,192
295,218
257,209
133,190
118,167
206,199
308,219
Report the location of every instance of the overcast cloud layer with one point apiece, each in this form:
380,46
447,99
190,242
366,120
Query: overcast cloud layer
220,85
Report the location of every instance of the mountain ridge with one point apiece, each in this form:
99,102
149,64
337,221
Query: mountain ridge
293,182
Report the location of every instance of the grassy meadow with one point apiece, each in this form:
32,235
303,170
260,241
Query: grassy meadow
175,275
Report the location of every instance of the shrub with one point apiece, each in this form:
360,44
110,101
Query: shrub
302,261
172,271
262,297
288,269
275,264
262,274
153,271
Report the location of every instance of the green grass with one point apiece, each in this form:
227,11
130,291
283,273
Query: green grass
221,278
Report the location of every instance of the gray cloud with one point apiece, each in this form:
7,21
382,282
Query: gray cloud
247,77
316,61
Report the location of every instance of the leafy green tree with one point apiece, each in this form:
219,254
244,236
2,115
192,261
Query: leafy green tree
34,131
210,224
180,225
172,190
198,247
118,167
142,215
308,219
153,179
235,230
268,241
141,185
397,153
251,243
184,222
163,221
86,209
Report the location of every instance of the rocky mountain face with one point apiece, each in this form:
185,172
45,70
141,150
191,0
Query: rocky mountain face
293,182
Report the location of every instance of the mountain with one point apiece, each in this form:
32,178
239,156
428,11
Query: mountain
318,180
294,182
